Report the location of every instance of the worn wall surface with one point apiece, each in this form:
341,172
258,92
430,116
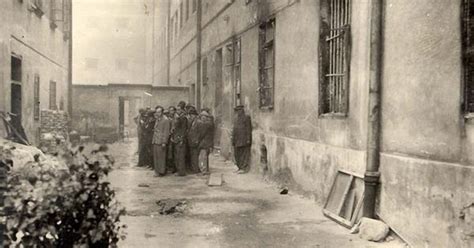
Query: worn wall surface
43,51
96,107
297,139
427,160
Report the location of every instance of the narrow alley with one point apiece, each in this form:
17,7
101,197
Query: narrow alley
245,211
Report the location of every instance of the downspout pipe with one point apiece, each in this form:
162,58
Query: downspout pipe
198,54
372,174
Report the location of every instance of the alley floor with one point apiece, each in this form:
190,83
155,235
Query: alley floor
245,211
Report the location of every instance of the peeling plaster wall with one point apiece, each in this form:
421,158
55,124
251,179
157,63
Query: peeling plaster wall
312,148
43,51
427,161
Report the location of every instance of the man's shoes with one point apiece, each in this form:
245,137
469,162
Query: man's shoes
237,171
241,172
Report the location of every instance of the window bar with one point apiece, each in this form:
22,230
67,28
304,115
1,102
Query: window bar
341,55
337,15
332,59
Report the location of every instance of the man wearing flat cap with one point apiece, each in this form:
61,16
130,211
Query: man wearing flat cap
242,139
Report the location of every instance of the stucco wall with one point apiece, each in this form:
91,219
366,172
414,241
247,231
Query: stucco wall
427,145
43,52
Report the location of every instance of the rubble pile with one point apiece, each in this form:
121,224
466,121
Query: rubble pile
53,130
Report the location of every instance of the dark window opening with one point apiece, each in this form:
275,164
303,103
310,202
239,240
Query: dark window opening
266,64
468,55
16,69
187,10
36,97
52,95
334,56
237,74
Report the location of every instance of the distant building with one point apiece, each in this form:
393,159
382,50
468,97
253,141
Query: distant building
34,53
113,72
302,69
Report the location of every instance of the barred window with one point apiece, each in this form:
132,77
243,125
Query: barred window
237,73
468,55
266,64
36,96
335,38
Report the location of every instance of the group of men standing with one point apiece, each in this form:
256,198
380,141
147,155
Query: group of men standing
179,139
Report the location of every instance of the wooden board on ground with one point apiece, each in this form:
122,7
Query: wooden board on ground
215,179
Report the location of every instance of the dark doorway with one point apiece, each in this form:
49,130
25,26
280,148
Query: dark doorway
16,104
16,76
219,92
121,117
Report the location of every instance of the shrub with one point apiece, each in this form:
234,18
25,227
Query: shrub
66,204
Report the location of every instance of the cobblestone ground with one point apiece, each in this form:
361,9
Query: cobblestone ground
244,212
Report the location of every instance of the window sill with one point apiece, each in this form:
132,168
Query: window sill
469,116
333,116
266,108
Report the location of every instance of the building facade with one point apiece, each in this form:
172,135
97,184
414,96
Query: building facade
34,54
111,42
303,71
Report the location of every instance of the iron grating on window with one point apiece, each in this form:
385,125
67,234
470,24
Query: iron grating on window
266,64
334,57
468,55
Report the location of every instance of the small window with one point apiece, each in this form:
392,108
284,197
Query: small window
52,95
16,69
194,5
176,24
237,74
181,15
468,55
187,10
204,70
36,96
334,48
266,64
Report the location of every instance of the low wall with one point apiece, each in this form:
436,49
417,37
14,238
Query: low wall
96,107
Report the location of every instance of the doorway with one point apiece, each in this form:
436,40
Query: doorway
16,92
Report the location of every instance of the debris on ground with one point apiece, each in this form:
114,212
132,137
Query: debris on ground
215,179
372,230
284,190
143,185
172,206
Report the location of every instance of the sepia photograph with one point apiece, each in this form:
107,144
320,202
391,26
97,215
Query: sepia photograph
237,123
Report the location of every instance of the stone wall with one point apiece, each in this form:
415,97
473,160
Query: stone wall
53,130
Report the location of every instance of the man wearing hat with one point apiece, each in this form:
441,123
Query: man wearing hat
178,141
206,143
242,139
193,140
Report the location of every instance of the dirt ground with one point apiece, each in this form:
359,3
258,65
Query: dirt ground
244,212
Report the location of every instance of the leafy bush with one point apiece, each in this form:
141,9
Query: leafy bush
65,204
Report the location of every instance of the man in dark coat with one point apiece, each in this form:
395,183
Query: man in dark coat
147,139
193,141
141,123
242,139
170,158
206,130
178,141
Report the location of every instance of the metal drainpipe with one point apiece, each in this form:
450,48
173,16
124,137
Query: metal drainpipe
198,54
372,174
69,73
